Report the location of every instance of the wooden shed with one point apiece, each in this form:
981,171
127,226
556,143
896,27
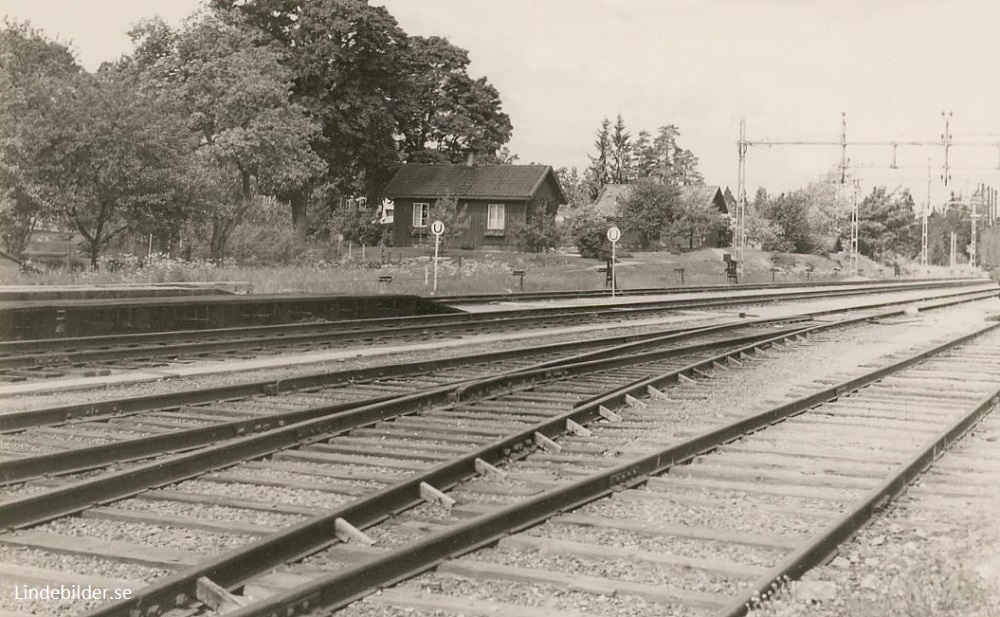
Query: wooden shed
496,197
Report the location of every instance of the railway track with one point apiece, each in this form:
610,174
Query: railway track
23,361
80,438
347,482
806,475
642,291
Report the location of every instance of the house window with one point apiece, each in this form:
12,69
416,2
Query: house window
421,212
495,217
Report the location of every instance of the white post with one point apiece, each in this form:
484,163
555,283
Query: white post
614,235
614,282
437,228
437,242
149,251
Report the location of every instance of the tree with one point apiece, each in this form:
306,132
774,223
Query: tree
31,70
114,156
644,160
647,209
378,95
621,153
671,163
940,226
234,96
789,215
445,113
575,187
764,233
600,172
685,171
695,219
502,157
344,62
761,198
887,225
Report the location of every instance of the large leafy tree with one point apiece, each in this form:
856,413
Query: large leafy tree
234,94
378,95
445,113
110,155
32,69
344,59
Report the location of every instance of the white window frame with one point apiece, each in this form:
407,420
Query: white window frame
421,214
495,223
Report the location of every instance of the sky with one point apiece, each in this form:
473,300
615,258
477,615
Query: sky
788,67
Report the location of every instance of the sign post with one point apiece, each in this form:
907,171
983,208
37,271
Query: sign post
437,228
614,235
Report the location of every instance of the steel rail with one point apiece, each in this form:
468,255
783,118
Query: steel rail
89,457
24,468
647,291
823,544
36,508
65,413
100,410
66,350
344,586
235,567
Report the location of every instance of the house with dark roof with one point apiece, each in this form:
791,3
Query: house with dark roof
496,198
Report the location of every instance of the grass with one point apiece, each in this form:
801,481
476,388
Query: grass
465,272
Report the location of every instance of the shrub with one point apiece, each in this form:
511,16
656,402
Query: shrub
538,235
357,225
589,234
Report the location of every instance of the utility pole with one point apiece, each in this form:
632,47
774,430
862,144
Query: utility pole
843,147
975,227
741,198
947,143
854,227
923,219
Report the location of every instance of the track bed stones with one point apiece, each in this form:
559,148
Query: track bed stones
790,498
672,547
931,553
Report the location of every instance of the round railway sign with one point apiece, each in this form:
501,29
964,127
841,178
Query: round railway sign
437,228
614,234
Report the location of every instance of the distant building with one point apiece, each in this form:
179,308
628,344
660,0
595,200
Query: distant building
610,197
496,197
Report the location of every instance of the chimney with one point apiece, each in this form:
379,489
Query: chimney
470,158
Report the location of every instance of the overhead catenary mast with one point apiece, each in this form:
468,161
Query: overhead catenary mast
946,141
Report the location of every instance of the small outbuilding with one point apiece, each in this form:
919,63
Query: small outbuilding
496,198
